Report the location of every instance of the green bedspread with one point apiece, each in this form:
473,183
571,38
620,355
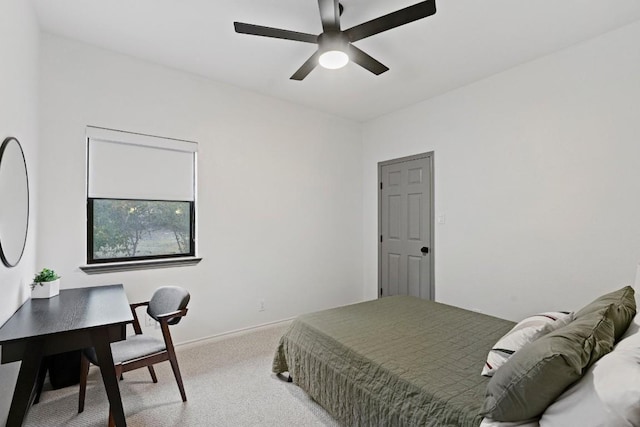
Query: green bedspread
396,361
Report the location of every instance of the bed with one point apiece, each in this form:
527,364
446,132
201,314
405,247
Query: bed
402,361
395,361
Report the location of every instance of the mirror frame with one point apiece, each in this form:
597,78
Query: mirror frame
3,147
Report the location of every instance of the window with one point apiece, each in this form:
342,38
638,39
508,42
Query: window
140,197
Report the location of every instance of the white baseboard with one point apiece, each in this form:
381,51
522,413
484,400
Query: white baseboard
236,332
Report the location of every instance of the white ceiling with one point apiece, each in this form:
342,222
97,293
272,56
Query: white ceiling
464,41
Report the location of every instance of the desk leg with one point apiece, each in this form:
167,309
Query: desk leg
100,338
42,374
23,392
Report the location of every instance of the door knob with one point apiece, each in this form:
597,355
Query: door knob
424,250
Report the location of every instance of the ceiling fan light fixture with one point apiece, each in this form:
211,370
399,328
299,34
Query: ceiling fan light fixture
333,59
335,46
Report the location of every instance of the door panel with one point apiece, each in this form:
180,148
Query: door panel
395,178
395,217
414,217
394,272
405,227
414,275
415,176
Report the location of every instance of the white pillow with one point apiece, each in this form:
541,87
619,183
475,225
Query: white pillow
526,331
487,422
607,395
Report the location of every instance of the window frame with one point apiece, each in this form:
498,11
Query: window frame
91,260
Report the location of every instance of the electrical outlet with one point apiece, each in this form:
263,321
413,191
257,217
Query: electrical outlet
261,306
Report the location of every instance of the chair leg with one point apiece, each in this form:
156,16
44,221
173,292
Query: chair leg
153,374
84,372
176,372
111,422
119,371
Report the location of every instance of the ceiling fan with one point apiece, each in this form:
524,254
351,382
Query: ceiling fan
335,46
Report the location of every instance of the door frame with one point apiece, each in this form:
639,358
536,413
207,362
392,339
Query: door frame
430,156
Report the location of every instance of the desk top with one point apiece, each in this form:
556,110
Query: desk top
73,309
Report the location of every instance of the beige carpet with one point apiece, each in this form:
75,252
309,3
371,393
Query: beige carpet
228,383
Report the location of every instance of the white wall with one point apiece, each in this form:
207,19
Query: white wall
279,198
18,118
537,172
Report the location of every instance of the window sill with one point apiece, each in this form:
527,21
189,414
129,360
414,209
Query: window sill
138,265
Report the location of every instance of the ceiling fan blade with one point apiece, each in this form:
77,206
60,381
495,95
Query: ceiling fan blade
329,15
366,61
307,67
392,20
259,30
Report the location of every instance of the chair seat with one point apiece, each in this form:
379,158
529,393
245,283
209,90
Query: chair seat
133,347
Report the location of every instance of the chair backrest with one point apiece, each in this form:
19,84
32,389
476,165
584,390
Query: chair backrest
166,300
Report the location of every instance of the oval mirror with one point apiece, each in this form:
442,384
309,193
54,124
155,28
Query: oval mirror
14,202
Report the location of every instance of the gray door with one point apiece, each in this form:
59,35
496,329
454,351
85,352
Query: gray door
405,225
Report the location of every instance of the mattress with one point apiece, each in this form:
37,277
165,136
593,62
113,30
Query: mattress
395,361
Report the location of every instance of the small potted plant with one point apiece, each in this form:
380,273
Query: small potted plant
46,284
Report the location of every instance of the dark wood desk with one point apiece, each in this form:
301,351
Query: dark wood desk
75,319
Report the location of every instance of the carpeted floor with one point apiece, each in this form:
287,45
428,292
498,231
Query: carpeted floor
228,383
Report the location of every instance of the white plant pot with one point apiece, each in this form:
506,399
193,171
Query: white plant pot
46,290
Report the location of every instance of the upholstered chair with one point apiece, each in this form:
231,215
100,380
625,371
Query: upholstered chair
167,306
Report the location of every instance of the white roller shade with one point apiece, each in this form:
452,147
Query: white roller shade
124,165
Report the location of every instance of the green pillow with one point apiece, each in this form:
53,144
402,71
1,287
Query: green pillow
624,309
539,372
